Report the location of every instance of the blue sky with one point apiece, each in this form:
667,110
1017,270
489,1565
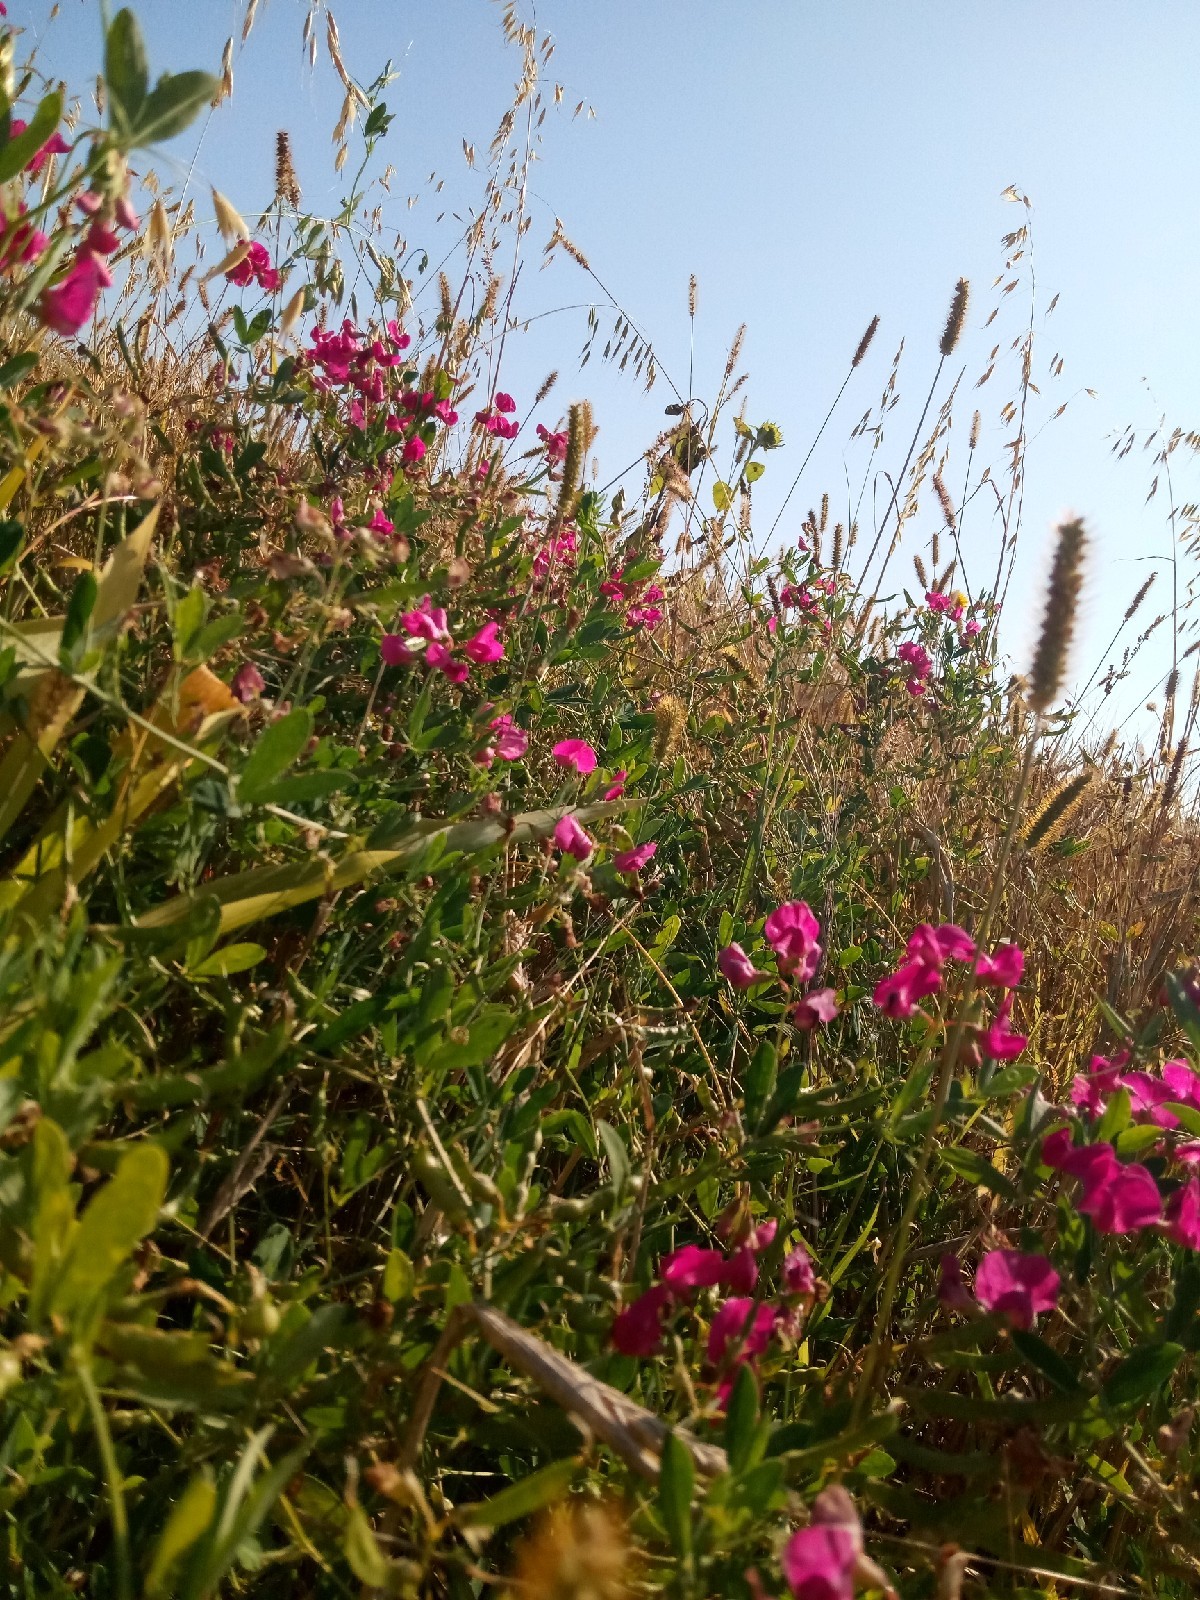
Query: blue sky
813,162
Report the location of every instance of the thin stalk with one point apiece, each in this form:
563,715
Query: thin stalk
113,1481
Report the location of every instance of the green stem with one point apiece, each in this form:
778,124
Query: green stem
112,1477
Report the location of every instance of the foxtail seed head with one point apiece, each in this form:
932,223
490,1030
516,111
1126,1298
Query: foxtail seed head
1058,624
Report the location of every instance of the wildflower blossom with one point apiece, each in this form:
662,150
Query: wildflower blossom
617,787
798,1277
733,1328
575,753
1123,1201
816,1007
899,994
571,839
1019,1287
737,966
413,452
692,1267
818,1562
485,646
792,932
438,656
952,1292
634,860
1183,1215
68,304
555,443
248,683
638,1329
1003,968
255,267
933,946
999,1043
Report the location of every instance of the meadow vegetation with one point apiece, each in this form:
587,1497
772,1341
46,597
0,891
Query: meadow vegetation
546,1049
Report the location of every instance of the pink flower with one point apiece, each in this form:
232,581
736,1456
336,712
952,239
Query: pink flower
504,402
899,995
634,860
55,145
248,683
691,1267
427,621
952,1292
798,1272
733,1328
485,646
741,1271
381,524
818,1562
792,932
933,946
617,788
438,656
915,658
1183,1083
67,305
1123,1201
1146,1097
575,753
556,443
571,839
817,1006
511,741
1183,1215
998,1043
414,451
1016,1286
737,966
394,649
973,628
1003,968
637,1331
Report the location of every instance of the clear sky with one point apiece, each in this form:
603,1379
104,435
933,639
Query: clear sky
813,162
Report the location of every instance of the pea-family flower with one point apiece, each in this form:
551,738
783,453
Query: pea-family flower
735,1329
413,452
950,605
485,646
634,860
1017,1286
816,1007
511,741
818,1562
555,443
692,1267
737,966
638,1330
504,402
617,787
575,753
1183,1083
255,266
973,628
248,683
998,1042
952,1292
55,145
917,659
798,1277
395,650
571,839
1123,1201
936,945
1003,969
899,994
68,304
427,621
1183,1215
792,931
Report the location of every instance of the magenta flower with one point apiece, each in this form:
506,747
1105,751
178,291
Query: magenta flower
55,145
437,655
1123,1201
637,1331
818,1562
504,402
248,683
571,839
634,860
798,1277
555,443
933,946
691,1267
485,646
816,1007
1183,1215
617,788
1146,1097
998,1042
792,932
737,966
1003,968
1016,1286
733,1328
741,1271
426,622
394,649
67,305
1183,1083
972,628
1092,1164
575,753
952,1292
511,741
414,451
901,993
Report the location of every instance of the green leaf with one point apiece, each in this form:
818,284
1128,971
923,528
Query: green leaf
366,1560
16,155
1047,1360
978,1170
722,495
189,615
1141,1373
676,1481
190,1516
399,1279
79,609
618,1157
171,105
520,1499
232,958
17,367
117,1218
754,471
126,70
280,744
745,1441
759,1083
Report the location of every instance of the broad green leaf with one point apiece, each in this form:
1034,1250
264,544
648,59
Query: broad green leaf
745,1441
759,1084
126,70
232,958
171,105
188,619
722,495
363,1555
190,1517
754,471
676,1481
16,155
399,1279
279,746
116,1219
1141,1373
1047,1360
17,367
520,1499
618,1157
79,608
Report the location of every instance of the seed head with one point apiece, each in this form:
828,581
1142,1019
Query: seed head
864,344
957,315
1058,623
